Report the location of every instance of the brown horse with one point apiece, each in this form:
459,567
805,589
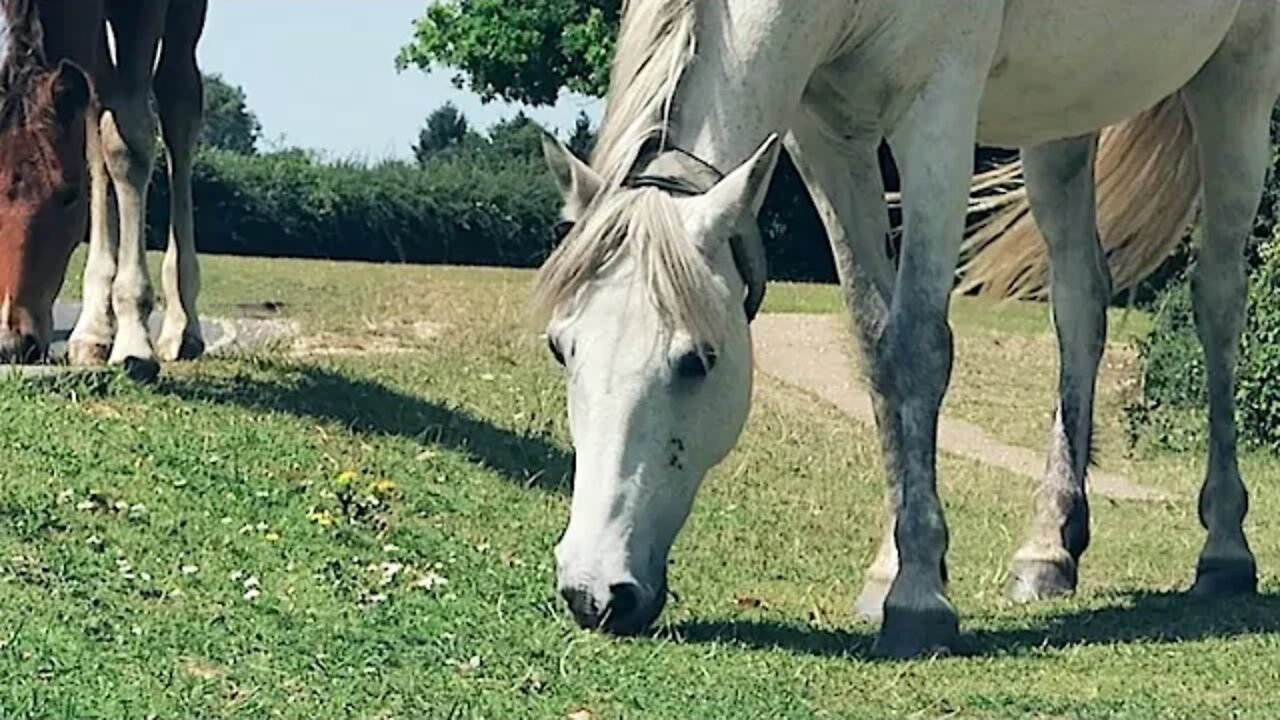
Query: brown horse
77,148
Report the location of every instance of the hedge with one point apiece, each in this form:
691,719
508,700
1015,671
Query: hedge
290,204
1170,411
462,209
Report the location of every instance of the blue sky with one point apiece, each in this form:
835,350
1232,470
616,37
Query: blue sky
320,74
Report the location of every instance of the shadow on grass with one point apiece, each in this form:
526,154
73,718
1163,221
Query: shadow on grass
773,635
367,407
1132,618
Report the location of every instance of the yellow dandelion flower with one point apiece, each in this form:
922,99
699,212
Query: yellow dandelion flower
323,518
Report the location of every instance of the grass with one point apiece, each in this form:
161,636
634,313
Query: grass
968,315
369,536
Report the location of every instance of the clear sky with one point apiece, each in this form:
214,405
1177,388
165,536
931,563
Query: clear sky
321,74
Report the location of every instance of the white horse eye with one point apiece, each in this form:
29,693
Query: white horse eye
695,364
555,350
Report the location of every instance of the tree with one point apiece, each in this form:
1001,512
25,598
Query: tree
446,128
229,124
583,139
525,51
517,138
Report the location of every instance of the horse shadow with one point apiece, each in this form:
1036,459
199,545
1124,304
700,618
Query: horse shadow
1147,617
367,407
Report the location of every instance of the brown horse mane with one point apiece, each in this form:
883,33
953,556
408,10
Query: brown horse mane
25,62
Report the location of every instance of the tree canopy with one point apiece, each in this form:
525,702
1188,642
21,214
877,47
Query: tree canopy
447,135
583,139
525,51
228,124
446,128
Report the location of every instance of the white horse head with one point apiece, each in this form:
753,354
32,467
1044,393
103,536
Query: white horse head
646,299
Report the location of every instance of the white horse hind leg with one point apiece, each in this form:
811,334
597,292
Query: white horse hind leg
849,193
1230,104
1060,188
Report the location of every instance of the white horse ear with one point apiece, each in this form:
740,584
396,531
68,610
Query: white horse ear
577,181
740,194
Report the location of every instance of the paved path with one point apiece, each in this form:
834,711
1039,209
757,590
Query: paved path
809,352
220,334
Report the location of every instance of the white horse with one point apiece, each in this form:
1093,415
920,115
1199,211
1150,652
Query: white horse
646,293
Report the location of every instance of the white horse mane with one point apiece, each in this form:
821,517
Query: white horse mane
655,45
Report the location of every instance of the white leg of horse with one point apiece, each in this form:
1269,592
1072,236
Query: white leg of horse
1060,186
180,101
128,134
129,144
1230,104
848,192
90,342
934,147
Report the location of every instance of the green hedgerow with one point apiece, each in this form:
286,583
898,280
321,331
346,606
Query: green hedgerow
1171,410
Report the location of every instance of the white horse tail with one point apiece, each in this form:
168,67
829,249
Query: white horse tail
1148,187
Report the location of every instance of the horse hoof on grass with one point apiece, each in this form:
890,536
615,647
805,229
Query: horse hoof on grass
1035,580
870,604
1225,578
84,353
142,370
180,348
911,634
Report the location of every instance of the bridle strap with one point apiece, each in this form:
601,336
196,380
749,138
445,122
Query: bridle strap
679,178
681,173
669,183
709,167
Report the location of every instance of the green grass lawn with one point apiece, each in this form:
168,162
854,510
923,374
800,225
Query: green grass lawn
370,536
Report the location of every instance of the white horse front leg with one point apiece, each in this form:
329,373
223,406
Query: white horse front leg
1060,187
934,148
128,141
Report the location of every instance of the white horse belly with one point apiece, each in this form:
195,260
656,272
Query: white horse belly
1068,67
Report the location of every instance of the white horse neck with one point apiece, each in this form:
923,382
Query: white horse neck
753,60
